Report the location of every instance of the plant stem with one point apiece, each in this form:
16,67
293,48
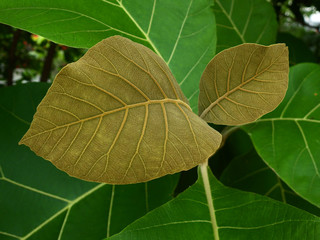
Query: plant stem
207,188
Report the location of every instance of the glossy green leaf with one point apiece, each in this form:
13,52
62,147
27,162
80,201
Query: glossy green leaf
248,172
242,83
38,201
182,32
239,215
118,116
244,21
288,138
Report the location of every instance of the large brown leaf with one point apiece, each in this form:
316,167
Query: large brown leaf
243,83
118,116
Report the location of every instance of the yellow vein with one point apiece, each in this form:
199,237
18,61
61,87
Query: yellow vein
89,142
57,142
74,138
247,64
225,111
123,78
169,79
177,150
165,138
114,111
139,141
243,105
94,86
78,99
149,73
182,143
45,142
229,72
60,109
191,128
114,142
137,65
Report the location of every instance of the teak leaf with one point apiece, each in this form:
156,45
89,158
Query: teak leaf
243,83
118,116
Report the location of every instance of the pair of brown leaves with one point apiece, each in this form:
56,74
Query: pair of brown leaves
118,116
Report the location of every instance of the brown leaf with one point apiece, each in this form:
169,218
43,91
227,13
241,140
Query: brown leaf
243,83
118,116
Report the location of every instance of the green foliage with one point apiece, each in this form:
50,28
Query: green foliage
287,139
37,201
238,217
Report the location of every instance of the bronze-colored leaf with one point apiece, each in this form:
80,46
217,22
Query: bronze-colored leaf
118,116
243,83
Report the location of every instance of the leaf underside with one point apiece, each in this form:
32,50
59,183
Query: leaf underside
243,83
118,116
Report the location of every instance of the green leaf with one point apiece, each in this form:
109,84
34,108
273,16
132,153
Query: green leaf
248,172
242,83
118,116
239,216
182,32
244,21
288,138
38,201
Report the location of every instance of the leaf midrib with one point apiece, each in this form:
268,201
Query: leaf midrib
147,103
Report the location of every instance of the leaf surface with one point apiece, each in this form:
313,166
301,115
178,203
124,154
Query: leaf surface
239,215
244,21
38,201
242,83
288,138
118,116
248,172
170,28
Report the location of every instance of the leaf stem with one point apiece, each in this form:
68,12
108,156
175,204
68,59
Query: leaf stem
207,188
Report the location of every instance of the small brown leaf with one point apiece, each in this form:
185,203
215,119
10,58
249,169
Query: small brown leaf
118,116
242,83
